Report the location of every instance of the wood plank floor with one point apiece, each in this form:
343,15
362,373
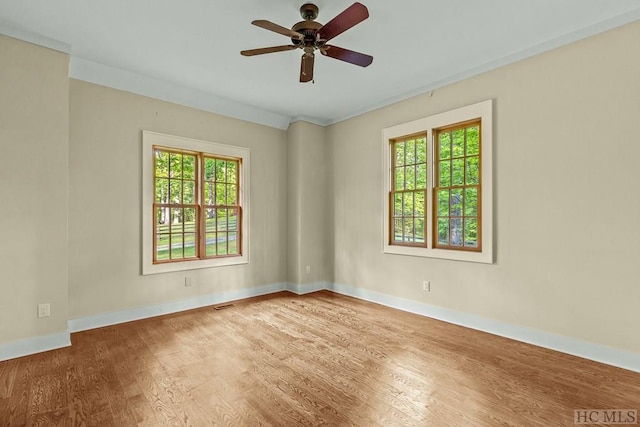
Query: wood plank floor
318,359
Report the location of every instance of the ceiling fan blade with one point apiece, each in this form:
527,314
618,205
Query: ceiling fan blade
351,16
347,55
262,51
306,67
268,25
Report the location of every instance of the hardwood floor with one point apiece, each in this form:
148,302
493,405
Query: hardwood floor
318,359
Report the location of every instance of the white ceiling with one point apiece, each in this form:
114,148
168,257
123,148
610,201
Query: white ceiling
187,51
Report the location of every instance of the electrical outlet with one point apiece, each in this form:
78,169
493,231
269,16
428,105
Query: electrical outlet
308,269
44,310
426,286
187,281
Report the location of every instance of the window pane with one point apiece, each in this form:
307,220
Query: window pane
456,231
408,204
162,220
445,173
399,150
458,143
418,208
222,219
231,171
471,202
221,167
421,150
471,232
410,178
189,220
233,243
209,169
175,191
420,230
210,220
444,144
443,203
473,140
397,230
410,152
176,220
232,220
176,246
458,172
175,165
443,231
473,170
162,190
456,203
209,193
232,195
162,247
421,177
408,230
221,197
161,164
400,179
189,245
189,167
233,175
210,244
397,204
189,192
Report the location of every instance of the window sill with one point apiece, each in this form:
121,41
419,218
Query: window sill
169,267
479,257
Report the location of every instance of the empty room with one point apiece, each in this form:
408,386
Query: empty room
416,213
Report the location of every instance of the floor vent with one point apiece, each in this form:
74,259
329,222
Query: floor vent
222,307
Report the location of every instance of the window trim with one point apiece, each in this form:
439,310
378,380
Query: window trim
484,112
151,139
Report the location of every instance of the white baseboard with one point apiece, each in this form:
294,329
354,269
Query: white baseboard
27,346
307,288
599,353
138,313
584,349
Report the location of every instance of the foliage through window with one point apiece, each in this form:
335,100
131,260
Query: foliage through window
196,207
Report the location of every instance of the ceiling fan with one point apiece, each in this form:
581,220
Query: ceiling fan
310,36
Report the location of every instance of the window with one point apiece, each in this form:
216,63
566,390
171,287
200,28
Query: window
456,206
195,204
408,190
438,186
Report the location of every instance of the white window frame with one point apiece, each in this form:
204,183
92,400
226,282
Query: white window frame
149,140
484,112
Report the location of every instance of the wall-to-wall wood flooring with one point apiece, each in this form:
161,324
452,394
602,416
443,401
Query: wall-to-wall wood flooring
318,359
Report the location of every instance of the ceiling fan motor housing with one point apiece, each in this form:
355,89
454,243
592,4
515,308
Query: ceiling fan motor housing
309,30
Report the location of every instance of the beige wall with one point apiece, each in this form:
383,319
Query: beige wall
566,155
105,194
34,139
307,185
